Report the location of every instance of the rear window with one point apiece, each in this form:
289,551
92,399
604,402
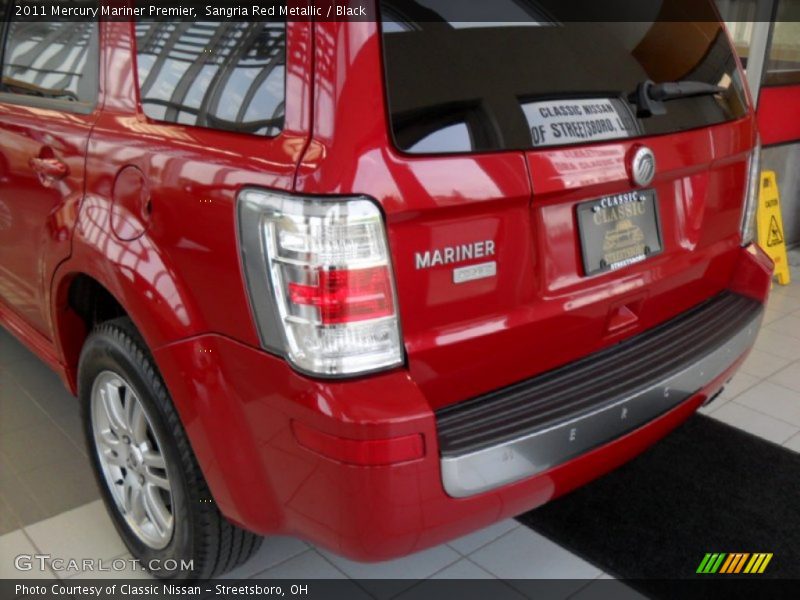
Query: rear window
465,76
227,75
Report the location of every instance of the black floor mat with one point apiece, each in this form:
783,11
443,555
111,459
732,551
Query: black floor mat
705,488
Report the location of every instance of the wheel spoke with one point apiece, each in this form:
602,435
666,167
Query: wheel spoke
153,459
109,439
137,420
157,480
112,403
127,495
138,512
155,509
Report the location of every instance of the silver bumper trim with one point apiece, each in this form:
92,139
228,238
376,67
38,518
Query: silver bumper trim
488,468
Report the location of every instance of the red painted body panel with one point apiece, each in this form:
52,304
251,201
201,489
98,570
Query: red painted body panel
540,311
367,513
779,114
181,276
175,268
39,210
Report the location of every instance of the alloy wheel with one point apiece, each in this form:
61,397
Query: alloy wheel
132,461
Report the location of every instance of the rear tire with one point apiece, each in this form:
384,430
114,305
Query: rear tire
148,476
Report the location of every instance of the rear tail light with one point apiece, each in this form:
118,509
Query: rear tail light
320,281
347,296
751,196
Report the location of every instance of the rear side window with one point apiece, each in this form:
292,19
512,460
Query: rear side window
51,60
228,76
468,76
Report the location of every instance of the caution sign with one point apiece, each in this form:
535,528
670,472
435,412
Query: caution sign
770,226
774,237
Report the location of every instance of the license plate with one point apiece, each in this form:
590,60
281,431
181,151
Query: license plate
617,231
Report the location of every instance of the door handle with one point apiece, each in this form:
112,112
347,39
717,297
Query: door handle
50,167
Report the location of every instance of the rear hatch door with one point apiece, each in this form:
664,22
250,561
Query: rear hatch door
502,288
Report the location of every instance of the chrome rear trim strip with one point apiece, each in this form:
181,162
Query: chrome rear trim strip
485,469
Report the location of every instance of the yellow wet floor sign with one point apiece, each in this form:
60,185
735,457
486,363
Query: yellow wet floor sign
770,226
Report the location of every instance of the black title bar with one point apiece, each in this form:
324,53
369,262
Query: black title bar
478,11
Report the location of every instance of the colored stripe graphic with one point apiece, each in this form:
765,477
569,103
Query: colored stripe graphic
734,563
703,563
716,565
741,562
765,563
755,561
711,562
727,564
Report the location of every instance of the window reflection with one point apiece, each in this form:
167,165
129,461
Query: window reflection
783,64
739,16
57,60
451,138
456,85
227,75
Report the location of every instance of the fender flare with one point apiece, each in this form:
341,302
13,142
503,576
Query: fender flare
136,273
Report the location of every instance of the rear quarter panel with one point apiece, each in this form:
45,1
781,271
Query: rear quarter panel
181,274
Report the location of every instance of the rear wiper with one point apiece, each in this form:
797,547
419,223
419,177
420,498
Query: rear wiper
649,97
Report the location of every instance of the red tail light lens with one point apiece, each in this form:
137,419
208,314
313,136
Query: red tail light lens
320,278
347,296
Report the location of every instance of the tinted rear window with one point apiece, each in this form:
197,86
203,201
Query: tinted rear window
530,79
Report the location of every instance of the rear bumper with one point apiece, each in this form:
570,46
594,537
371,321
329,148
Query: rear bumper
488,442
239,406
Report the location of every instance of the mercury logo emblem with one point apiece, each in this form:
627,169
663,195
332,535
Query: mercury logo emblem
643,166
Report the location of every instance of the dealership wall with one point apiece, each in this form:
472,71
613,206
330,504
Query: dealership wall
785,161
766,34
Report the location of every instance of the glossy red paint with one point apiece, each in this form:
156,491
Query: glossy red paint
366,513
131,207
174,266
365,453
779,114
180,276
42,155
540,311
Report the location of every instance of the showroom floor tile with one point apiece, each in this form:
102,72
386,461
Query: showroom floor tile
49,502
474,541
463,569
274,551
755,422
41,443
83,531
308,565
13,545
523,553
794,443
762,364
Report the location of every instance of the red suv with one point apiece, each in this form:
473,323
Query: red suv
374,283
